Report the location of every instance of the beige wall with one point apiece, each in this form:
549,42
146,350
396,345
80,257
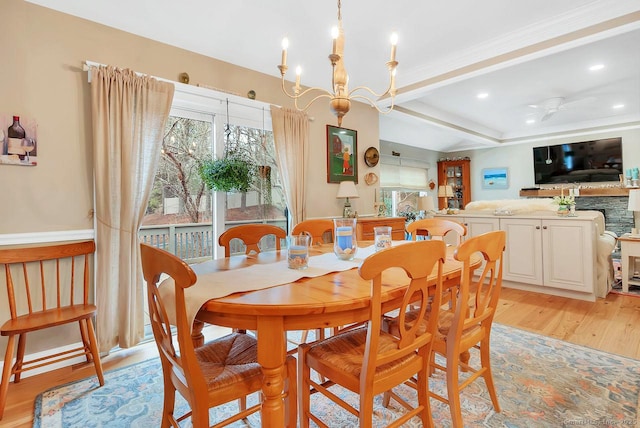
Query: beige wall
42,78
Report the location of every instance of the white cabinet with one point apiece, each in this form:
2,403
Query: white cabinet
555,253
544,253
475,226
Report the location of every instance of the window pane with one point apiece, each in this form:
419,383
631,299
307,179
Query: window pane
265,202
179,215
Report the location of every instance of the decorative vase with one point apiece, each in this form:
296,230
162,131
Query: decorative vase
344,244
563,210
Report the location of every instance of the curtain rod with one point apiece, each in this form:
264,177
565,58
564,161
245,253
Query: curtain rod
86,66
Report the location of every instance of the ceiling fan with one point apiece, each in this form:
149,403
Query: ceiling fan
551,106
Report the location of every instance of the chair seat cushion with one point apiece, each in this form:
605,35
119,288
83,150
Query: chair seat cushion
46,319
228,360
345,351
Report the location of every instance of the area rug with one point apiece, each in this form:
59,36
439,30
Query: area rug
541,382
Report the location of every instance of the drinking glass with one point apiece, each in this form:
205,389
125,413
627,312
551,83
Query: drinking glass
298,251
382,237
344,243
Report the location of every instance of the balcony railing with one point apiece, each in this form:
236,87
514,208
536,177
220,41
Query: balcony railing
194,242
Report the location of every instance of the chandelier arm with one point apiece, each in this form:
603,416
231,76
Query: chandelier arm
371,91
295,99
306,91
373,104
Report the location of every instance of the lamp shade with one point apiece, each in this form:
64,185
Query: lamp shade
445,191
634,200
347,189
425,203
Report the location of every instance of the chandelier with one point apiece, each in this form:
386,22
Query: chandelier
340,96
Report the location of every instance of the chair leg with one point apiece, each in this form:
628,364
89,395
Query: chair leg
93,344
168,406
423,393
366,409
17,367
85,340
304,394
453,389
485,359
291,389
6,373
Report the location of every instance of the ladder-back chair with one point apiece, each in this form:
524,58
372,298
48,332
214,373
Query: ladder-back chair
47,286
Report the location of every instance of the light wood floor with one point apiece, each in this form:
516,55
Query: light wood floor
611,324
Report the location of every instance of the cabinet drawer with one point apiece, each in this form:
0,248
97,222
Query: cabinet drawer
365,226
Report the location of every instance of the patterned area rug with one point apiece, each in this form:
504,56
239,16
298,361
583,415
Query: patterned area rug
541,382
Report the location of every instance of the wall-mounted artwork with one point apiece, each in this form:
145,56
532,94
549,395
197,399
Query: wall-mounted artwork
18,140
342,152
495,178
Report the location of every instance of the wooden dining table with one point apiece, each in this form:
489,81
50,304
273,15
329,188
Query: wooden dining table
331,300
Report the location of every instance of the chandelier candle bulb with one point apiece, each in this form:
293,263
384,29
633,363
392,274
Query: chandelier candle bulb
298,73
285,46
394,42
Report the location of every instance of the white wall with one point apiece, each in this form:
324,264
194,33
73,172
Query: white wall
519,159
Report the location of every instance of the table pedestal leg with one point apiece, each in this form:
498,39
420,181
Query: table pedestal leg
271,356
196,334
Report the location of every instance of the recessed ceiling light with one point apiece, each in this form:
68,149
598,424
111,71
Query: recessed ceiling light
618,106
596,67
530,121
482,95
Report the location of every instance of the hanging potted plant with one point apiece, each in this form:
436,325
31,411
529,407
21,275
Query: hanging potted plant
229,174
234,172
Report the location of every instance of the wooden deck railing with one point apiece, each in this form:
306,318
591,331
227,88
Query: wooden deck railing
193,241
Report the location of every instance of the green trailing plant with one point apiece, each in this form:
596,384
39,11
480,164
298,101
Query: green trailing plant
228,174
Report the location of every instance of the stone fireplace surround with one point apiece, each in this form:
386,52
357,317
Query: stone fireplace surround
611,201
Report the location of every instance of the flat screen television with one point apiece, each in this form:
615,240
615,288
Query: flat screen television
586,161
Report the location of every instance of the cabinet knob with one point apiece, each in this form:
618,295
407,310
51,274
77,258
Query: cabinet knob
538,227
544,227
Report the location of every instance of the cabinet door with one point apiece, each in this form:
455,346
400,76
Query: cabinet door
479,225
523,253
568,257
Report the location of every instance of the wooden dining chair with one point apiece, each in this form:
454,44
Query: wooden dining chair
47,286
469,326
250,235
316,229
369,361
220,371
436,228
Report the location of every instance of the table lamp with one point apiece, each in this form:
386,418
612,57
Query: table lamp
634,205
426,205
347,190
445,192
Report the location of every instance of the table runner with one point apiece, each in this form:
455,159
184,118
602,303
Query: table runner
213,283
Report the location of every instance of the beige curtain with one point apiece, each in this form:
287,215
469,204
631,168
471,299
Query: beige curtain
129,115
291,137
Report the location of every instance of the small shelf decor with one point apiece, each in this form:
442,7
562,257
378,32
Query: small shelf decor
566,204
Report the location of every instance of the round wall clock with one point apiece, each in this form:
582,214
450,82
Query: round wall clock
371,156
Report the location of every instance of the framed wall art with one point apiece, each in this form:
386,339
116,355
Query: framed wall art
495,178
18,140
342,155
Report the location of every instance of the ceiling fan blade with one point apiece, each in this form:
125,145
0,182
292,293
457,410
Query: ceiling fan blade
577,102
547,115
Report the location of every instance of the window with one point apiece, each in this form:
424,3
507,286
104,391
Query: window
183,216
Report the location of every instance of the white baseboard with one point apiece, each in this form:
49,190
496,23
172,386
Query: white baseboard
41,237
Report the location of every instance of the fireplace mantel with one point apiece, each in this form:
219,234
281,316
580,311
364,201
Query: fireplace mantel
584,191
